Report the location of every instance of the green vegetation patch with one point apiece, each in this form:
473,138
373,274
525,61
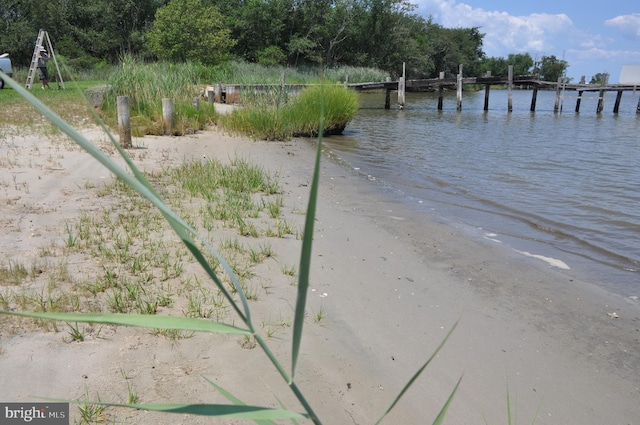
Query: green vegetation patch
323,108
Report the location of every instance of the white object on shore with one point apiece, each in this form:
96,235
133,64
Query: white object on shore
551,261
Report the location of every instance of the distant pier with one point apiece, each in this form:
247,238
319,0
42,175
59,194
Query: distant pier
230,93
531,82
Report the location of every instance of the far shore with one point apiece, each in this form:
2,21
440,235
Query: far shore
388,284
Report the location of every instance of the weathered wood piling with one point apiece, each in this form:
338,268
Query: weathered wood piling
124,121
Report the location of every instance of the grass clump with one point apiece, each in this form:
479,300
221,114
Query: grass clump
13,273
329,107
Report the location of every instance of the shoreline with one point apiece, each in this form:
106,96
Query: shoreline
391,283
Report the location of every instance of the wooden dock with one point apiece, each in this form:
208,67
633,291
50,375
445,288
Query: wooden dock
531,82
230,93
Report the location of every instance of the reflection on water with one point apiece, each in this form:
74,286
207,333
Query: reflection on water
570,181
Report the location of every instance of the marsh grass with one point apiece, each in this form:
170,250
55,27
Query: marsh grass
280,117
238,72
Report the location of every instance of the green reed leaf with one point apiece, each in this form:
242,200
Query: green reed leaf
444,409
218,410
233,399
305,257
139,320
416,375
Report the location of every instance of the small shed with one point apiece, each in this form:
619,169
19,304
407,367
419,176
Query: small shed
630,74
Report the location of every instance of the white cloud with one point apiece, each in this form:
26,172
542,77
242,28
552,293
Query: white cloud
602,54
504,33
629,25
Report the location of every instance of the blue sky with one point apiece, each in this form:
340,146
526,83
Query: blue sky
591,35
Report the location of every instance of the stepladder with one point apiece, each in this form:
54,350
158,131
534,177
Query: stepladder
43,42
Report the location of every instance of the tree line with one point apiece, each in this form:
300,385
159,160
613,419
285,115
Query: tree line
380,34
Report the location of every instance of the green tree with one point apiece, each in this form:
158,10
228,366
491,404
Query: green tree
258,25
499,67
550,68
450,48
83,32
272,55
522,63
191,30
598,78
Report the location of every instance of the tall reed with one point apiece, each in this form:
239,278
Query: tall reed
239,72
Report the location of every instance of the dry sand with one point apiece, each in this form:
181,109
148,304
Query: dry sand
389,282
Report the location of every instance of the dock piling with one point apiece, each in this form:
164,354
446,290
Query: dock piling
401,87
534,98
459,89
440,91
616,106
601,93
487,89
579,100
510,88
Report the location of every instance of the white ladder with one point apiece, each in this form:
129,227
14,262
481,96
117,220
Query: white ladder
43,41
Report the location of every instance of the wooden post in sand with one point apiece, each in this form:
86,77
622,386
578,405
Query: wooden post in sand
167,115
124,121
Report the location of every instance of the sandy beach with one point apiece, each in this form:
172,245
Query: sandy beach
387,285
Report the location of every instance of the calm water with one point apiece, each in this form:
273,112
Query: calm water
567,184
